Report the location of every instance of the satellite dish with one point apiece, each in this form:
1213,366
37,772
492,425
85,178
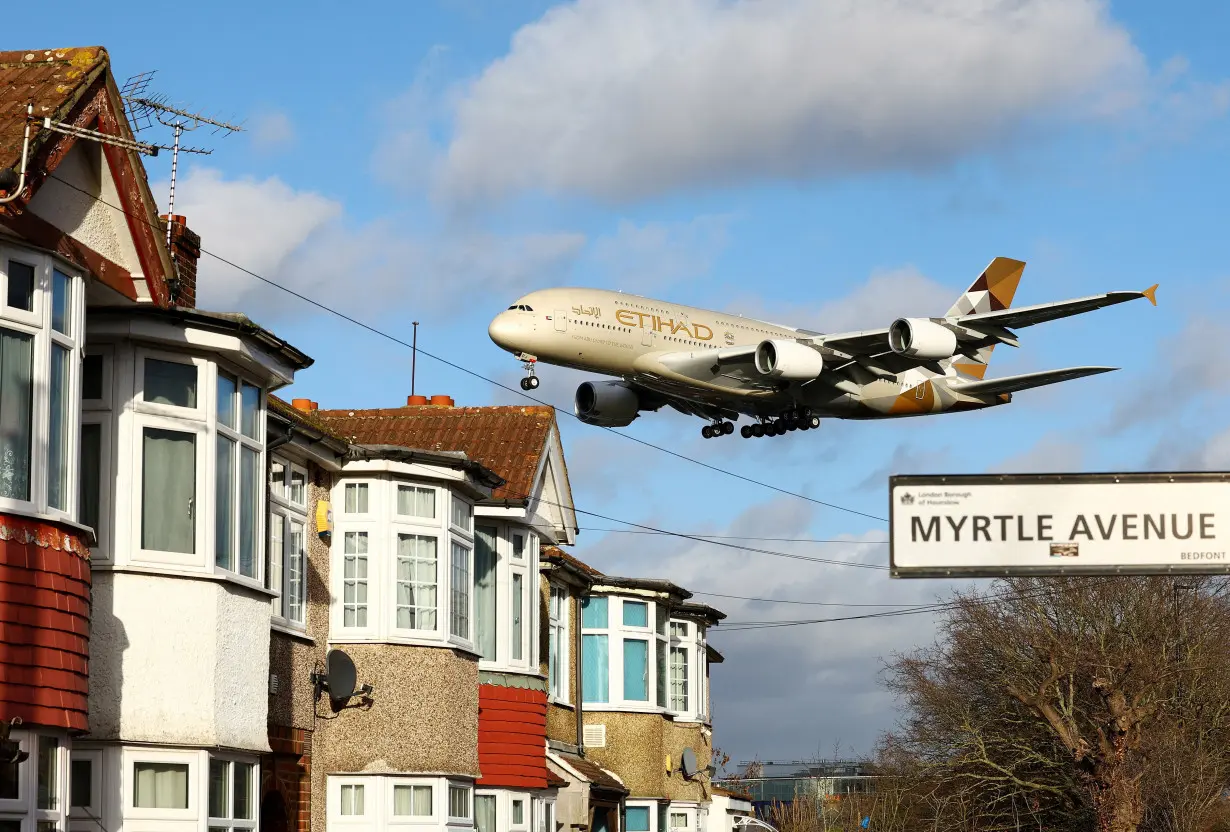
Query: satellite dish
341,677
688,763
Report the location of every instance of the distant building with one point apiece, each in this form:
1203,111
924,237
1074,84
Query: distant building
773,782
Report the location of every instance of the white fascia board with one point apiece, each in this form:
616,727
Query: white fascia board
418,470
275,372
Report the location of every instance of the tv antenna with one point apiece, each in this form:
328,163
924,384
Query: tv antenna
144,108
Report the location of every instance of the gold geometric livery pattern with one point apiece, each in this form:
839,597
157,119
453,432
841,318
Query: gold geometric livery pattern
991,292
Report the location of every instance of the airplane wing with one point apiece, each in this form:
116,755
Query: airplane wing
1026,381
866,352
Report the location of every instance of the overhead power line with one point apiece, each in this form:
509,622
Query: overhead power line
393,338
847,541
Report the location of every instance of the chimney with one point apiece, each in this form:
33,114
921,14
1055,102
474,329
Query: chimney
442,401
416,401
186,244
301,404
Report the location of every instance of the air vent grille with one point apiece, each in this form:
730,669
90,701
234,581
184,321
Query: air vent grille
594,736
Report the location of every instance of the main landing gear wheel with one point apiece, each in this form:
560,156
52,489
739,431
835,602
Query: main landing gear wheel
717,429
529,383
746,431
707,431
758,431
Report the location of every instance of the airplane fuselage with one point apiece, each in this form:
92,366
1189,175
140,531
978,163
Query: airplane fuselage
622,335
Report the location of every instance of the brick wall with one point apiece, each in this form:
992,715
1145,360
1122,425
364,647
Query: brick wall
186,244
286,781
44,624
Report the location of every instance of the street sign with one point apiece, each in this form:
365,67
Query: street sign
1059,524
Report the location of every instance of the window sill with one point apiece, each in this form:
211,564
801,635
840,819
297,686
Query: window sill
562,703
402,641
621,707
296,631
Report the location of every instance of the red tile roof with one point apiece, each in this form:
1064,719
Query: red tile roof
550,553
53,79
508,440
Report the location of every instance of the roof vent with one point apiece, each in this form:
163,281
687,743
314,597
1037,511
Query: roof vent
442,401
416,401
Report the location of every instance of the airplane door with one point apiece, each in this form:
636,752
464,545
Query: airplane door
561,320
647,334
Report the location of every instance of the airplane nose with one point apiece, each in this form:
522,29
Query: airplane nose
503,330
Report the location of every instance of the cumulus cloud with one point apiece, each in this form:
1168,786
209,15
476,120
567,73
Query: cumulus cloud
778,671
620,99
655,255
272,130
302,240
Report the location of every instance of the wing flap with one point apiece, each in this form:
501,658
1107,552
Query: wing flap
1026,381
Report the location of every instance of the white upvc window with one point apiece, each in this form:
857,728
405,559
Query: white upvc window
558,608
233,795
394,802
85,779
239,473
288,541
681,819
544,814
400,571
679,667
621,663
688,670
462,514
504,598
161,785
641,816
41,323
199,459
37,789
95,490
505,810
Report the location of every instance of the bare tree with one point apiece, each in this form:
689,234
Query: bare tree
1059,704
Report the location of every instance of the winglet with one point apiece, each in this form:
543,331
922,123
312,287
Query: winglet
1151,294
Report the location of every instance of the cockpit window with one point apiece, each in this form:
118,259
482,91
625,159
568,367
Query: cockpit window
514,306
527,309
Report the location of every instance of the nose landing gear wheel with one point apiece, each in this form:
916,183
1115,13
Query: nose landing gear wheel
529,383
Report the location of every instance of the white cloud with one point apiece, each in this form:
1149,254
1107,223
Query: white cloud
301,240
621,99
1051,454
272,130
655,255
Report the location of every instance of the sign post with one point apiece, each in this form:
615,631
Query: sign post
1059,524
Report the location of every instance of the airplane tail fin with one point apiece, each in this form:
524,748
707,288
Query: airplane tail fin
992,291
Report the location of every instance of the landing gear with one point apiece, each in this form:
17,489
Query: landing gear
801,419
530,382
718,428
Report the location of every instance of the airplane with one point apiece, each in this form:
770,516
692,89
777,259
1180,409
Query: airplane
721,366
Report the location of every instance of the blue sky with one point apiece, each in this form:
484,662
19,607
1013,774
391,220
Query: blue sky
828,165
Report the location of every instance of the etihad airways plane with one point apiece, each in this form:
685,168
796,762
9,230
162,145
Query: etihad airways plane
720,366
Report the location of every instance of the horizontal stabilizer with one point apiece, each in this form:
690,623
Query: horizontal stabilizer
1012,384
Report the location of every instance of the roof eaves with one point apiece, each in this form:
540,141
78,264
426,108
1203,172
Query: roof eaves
448,459
650,584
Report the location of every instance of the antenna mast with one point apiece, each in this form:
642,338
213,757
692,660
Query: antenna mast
143,109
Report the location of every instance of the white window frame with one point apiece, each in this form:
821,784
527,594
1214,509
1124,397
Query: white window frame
695,668
38,325
559,611
467,819
415,519
241,441
25,808
254,790
390,802
466,549
373,499
202,532
92,810
371,801
651,805
379,796
286,512
99,412
204,383
617,633
383,526
544,814
132,756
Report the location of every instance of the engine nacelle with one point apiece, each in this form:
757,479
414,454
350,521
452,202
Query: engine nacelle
920,338
610,404
788,360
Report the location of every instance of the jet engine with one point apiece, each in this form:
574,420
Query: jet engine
920,338
609,404
788,360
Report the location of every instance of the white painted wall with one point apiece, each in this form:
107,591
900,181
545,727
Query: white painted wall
722,813
178,661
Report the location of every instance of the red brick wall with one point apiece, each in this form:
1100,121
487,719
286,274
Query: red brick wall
44,624
512,737
286,781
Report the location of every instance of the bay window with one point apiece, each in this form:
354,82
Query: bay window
503,606
238,474
288,540
679,666
401,571
622,653
36,788
94,501
486,624
557,644
41,322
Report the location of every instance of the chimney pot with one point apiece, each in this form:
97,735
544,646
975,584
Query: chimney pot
442,401
415,401
315,405
301,404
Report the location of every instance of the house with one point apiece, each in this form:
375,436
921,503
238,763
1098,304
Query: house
134,617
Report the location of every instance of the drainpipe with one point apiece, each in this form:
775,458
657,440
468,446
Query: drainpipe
580,677
25,152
